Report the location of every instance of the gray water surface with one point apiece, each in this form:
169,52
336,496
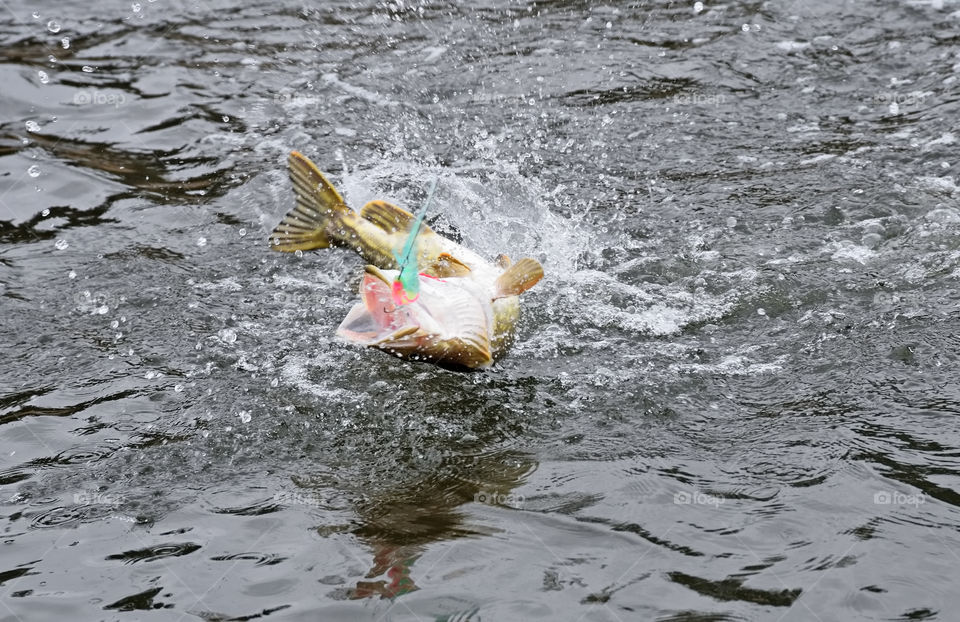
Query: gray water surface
733,397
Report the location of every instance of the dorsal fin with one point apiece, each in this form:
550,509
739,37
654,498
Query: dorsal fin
389,217
518,278
446,266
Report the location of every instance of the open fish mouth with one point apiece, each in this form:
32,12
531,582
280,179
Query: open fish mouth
449,322
376,319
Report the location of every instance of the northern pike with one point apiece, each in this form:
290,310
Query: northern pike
466,312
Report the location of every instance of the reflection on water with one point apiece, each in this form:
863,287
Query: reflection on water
400,524
731,398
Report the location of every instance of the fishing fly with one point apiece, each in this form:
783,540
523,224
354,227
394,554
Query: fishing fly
406,287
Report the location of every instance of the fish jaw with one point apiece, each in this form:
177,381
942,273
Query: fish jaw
448,324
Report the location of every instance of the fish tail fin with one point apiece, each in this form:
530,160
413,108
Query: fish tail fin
518,278
320,215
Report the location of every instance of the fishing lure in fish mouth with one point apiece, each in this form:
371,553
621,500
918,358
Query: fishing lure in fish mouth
406,287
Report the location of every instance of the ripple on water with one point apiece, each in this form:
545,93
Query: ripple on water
259,559
72,516
82,455
153,553
259,507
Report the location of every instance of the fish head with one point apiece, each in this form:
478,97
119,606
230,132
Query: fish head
449,323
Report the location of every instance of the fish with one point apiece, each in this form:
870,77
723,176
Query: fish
465,314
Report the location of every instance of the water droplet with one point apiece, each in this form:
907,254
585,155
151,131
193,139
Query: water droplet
53,26
242,232
227,335
178,388
53,59
34,171
65,43
731,222
36,15
71,275
745,28
244,416
62,244
87,69
32,126
136,7
697,7
226,119
202,242
44,77
275,382
299,254
103,310
150,375
115,324
761,311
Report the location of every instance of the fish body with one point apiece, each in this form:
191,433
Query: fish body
466,310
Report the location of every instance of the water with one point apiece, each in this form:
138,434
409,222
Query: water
734,395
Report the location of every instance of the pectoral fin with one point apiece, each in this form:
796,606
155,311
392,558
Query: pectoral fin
518,278
406,331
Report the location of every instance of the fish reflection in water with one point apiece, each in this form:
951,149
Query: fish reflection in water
400,524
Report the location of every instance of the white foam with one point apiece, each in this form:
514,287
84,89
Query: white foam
357,91
848,250
732,365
